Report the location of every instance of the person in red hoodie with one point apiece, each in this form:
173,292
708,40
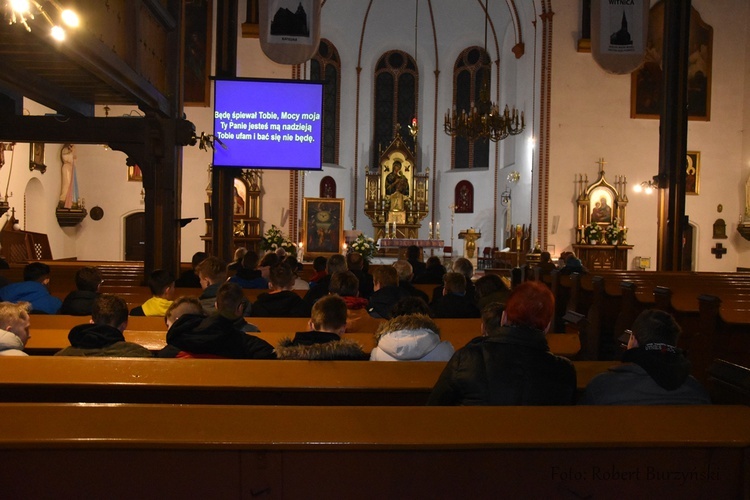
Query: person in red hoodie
346,285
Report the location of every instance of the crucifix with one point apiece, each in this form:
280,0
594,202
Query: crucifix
718,250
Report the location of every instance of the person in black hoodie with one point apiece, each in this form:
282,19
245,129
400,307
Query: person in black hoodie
219,335
387,292
323,341
654,371
80,302
103,336
454,303
212,272
248,275
281,301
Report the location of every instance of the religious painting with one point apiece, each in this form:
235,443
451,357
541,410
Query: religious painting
240,198
36,157
197,56
323,226
134,173
646,82
601,205
692,172
463,197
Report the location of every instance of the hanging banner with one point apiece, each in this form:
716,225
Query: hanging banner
289,29
619,29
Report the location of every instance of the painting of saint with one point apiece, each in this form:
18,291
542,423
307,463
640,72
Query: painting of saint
601,212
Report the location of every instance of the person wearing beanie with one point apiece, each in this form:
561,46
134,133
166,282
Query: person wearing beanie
654,370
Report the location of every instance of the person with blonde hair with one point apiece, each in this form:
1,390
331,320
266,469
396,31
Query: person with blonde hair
14,328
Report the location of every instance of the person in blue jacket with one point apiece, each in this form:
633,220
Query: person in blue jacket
33,289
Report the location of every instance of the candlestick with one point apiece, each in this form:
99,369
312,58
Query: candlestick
394,228
437,227
430,227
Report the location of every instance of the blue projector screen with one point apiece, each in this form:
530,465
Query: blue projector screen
272,124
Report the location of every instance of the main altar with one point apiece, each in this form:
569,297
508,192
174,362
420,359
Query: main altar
396,194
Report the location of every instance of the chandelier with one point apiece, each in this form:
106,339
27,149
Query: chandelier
23,11
484,120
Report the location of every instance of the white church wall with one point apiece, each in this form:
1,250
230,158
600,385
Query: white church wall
591,119
744,257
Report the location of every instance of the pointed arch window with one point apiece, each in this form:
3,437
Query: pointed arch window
325,65
396,94
472,66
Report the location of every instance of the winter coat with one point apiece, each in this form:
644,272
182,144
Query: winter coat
323,346
101,341
79,303
382,301
10,344
283,304
34,292
511,367
412,337
654,374
214,335
318,291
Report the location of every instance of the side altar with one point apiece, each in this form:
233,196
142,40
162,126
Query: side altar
396,194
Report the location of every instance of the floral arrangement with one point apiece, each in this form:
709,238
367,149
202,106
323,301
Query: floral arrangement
592,232
364,246
273,239
614,233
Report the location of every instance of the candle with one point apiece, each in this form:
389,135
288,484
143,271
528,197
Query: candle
301,247
344,246
437,227
430,227
394,228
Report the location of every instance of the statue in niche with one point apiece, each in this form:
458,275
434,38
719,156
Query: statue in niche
67,194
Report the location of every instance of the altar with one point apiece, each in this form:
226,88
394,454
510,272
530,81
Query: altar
403,243
603,257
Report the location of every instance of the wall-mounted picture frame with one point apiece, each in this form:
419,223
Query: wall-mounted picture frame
197,56
134,173
693,172
323,226
36,157
645,86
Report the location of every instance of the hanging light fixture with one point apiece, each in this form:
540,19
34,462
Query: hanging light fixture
484,120
23,11
647,187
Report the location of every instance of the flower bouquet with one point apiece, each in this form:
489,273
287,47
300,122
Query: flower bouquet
614,234
364,246
592,233
273,239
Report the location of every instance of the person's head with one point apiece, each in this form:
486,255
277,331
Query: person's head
211,271
384,276
488,284
161,283
404,270
14,318
464,266
282,277
410,305
269,259
413,253
319,264
545,257
454,283
198,257
653,326
230,300
355,261
336,263
329,315
36,271
88,279
396,167
239,253
110,310
344,284
293,263
183,305
530,304
433,262
603,202
250,260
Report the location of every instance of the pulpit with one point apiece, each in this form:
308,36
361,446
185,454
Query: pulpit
396,194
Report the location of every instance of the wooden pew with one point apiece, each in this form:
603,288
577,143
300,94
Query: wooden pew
198,451
728,383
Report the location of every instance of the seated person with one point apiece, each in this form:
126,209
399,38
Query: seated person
183,305
654,371
346,285
189,278
323,341
510,364
248,275
454,303
319,266
236,264
433,273
490,288
356,264
546,266
212,272
405,276
14,328
81,301
334,264
410,337
103,335
387,292
269,260
232,303
414,257
296,267
192,334
161,284
573,265
463,266
410,305
33,289
281,301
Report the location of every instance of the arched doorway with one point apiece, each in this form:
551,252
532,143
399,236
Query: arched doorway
135,236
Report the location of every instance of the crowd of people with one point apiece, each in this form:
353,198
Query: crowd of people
508,363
